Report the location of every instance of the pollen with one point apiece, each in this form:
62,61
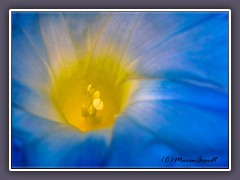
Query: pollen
95,105
98,104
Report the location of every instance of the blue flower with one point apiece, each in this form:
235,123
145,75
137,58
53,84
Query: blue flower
119,89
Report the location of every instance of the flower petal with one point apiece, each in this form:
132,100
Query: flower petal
48,144
168,118
132,146
207,109
33,101
145,142
167,90
29,57
186,45
57,40
113,36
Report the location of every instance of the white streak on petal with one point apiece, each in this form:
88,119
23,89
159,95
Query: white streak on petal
33,101
58,42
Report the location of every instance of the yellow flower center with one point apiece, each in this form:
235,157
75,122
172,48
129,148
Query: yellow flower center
93,90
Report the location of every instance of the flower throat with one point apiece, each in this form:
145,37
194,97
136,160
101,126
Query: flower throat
92,91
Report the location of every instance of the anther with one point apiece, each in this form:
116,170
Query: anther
90,90
98,104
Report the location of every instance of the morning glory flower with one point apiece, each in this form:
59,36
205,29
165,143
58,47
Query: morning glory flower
119,89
